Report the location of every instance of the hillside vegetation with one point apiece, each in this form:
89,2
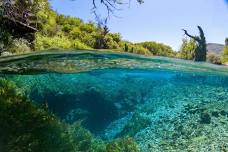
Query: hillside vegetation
60,32
57,31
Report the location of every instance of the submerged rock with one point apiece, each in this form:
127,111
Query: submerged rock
205,118
137,123
215,113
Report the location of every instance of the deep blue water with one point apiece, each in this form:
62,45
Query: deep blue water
106,91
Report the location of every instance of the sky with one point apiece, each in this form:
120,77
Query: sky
158,20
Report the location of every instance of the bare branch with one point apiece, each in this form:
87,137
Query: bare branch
193,37
111,6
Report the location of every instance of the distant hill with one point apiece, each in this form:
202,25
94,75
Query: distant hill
215,48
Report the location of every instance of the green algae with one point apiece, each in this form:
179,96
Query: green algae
28,127
136,124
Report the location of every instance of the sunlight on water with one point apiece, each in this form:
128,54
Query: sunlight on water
164,104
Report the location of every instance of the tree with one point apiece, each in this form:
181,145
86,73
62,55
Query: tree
201,50
158,49
225,52
125,47
188,48
101,42
226,41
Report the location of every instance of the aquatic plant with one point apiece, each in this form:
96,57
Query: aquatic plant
25,127
134,126
83,140
88,105
122,145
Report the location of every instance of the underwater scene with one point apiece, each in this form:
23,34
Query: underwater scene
108,102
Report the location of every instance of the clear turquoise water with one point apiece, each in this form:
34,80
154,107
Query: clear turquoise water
161,102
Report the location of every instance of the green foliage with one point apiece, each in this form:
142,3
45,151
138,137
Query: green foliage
66,32
67,20
47,18
225,54
188,48
44,42
158,49
200,53
74,33
82,139
116,37
110,42
5,36
25,127
56,42
139,49
19,46
149,48
226,41
125,47
122,145
134,48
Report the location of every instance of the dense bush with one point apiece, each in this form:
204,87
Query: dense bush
225,52
57,42
214,58
138,49
134,48
187,50
5,37
19,46
65,32
158,49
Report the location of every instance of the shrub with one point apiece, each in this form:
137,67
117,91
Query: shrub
138,49
44,42
158,48
225,54
110,43
76,44
188,48
19,46
213,58
60,41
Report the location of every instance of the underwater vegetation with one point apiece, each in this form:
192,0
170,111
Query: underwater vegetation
136,124
24,127
28,127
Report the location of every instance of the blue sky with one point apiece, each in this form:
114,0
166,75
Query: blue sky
158,20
